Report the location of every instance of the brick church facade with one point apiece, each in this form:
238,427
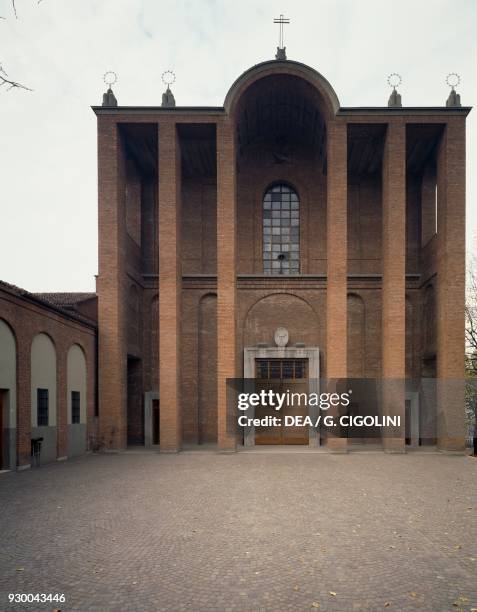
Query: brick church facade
217,225
279,209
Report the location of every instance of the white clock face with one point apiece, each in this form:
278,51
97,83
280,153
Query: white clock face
281,336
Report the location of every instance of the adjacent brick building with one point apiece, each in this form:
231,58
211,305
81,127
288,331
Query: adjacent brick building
47,375
281,208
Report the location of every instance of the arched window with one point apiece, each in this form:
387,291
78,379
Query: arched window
281,231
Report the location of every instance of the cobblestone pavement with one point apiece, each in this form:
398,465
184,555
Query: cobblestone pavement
248,531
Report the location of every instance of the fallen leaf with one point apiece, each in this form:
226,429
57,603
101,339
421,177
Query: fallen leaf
332,593
315,604
413,594
295,588
387,604
458,546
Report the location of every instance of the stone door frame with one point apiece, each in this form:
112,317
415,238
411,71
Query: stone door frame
413,398
312,353
149,396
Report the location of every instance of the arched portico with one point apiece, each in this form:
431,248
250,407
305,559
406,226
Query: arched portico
281,127
76,400
44,394
324,91
8,395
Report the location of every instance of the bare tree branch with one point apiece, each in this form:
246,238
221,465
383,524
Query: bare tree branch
471,316
5,81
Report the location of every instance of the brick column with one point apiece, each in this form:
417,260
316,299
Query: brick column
23,424
61,401
112,356
226,279
170,288
451,286
337,255
91,396
393,334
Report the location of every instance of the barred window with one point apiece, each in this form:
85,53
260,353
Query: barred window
42,407
281,231
270,369
75,407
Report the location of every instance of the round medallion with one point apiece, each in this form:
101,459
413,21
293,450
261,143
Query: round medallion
394,80
453,80
168,77
281,336
110,78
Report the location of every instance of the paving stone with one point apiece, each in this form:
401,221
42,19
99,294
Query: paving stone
242,532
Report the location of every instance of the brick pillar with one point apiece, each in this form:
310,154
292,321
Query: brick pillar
393,334
91,386
61,401
170,287
226,279
112,356
337,255
23,399
451,286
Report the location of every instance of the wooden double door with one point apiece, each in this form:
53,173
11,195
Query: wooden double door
280,376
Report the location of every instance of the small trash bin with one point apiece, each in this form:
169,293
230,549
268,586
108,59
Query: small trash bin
36,451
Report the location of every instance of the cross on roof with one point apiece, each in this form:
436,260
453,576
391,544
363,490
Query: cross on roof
281,20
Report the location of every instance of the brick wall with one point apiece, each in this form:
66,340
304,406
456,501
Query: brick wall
346,210
27,318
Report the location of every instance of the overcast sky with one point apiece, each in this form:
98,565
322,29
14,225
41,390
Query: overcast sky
61,49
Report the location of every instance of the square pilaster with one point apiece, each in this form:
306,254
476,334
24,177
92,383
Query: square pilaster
394,284
170,287
451,286
226,281
337,260
112,355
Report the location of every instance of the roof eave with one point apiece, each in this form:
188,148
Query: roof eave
342,111
404,110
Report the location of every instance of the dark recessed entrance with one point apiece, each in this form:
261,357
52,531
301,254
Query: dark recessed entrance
156,422
2,406
281,375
